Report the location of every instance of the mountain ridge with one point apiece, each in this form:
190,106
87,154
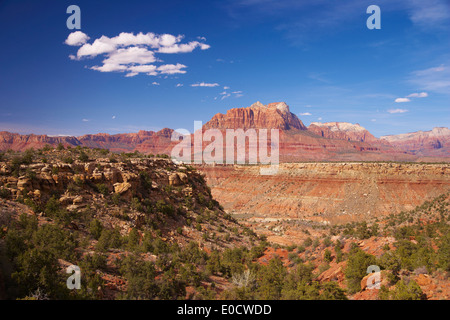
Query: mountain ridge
329,141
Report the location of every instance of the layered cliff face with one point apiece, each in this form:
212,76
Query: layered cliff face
258,116
144,141
435,142
327,192
18,142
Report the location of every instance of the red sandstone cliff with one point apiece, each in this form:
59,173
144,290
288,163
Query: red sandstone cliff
272,116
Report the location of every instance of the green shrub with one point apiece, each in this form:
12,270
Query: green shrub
357,264
96,229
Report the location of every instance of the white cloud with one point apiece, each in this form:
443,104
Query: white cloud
130,55
417,95
76,38
183,48
179,85
226,88
306,114
85,120
99,46
412,95
113,117
397,111
225,96
155,83
133,53
320,118
172,68
431,13
435,79
373,120
400,100
203,84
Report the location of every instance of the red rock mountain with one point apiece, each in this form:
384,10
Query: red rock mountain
342,131
435,142
272,116
332,141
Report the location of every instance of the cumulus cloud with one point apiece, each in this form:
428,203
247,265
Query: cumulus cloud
400,100
133,53
76,38
172,68
203,84
397,111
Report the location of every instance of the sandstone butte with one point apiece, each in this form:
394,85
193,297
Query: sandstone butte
331,141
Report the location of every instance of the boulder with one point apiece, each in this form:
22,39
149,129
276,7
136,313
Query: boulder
122,188
178,178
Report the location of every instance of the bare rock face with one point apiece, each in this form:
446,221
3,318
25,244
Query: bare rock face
327,193
257,116
431,143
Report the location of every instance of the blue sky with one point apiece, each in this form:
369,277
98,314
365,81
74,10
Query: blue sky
194,59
